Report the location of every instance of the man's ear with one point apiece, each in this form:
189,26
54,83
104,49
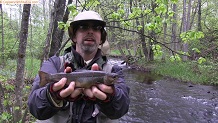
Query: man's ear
74,39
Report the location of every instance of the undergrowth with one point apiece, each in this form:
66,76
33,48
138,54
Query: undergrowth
189,71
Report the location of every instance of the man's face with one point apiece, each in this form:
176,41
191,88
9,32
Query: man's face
88,37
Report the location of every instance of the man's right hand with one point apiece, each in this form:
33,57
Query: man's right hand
70,90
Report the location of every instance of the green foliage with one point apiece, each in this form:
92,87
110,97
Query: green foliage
31,67
10,38
7,76
201,60
151,26
189,71
189,36
9,70
171,13
136,13
157,49
73,10
183,53
115,15
115,52
139,27
196,50
63,25
5,117
91,3
9,87
161,9
146,11
175,57
174,1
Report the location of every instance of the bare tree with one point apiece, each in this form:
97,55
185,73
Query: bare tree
65,19
21,62
57,35
199,16
48,38
184,29
2,32
174,46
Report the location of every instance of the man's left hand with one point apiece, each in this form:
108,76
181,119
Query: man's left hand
99,91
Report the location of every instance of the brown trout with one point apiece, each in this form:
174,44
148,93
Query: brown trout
83,78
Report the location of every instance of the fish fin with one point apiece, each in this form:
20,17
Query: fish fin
43,78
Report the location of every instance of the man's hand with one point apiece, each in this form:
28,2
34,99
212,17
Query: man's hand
99,91
69,90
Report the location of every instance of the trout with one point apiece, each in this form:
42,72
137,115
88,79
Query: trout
83,78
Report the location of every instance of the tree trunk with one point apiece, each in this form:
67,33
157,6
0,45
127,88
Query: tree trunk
121,50
194,11
2,32
150,43
43,13
152,34
1,99
174,44
65,19
184,29
165,33
141,33
51,32
57,34
188,26
127,45
119,45
199,16
21,63
48,39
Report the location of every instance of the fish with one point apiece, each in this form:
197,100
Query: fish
82,78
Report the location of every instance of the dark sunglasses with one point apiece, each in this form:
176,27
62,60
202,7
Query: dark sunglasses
87,27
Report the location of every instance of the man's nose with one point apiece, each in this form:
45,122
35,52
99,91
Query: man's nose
90,30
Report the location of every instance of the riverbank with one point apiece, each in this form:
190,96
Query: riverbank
190,71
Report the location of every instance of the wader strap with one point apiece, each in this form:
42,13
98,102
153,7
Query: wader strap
107,67
62,61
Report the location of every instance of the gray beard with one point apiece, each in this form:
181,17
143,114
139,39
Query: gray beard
88,49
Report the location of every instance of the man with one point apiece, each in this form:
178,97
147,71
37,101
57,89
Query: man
58,102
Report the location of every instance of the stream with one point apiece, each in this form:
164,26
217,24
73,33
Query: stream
157,99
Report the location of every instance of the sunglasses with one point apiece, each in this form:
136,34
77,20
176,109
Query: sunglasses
87,27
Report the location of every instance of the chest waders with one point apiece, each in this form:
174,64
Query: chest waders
76,109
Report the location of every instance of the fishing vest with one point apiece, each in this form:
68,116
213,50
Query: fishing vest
65,116
69,58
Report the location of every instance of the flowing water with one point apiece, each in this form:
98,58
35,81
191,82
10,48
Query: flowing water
164,100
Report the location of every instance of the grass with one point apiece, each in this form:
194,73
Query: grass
7,76
115,52
188,71
31,68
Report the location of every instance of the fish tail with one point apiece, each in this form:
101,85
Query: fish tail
43,78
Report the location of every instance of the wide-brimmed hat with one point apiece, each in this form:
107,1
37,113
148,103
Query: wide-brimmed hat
87,16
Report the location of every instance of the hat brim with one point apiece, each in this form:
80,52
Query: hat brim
102,23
